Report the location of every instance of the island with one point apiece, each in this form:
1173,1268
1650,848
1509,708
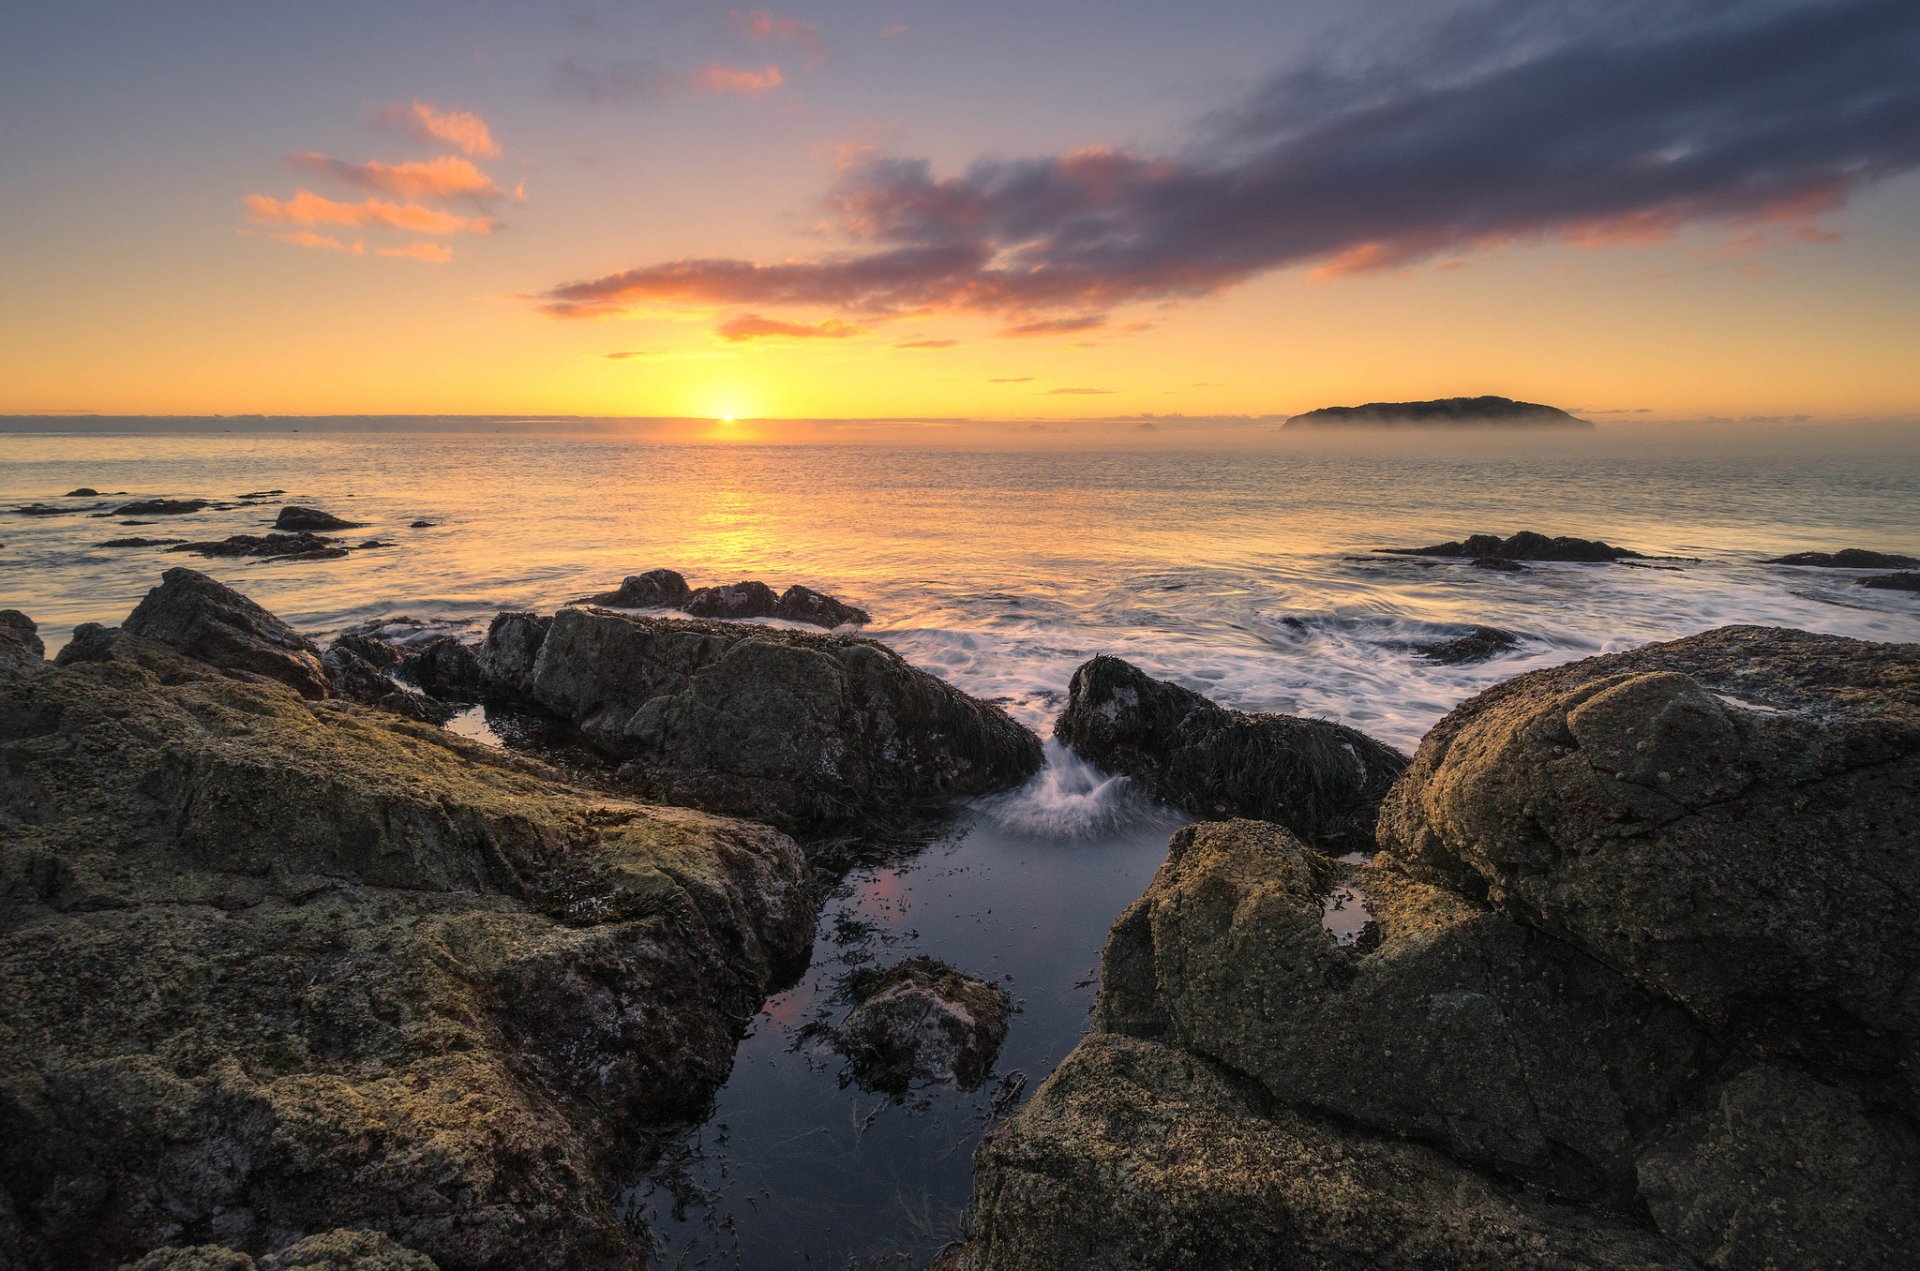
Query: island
1480,412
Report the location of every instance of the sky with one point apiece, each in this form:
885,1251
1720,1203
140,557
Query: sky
1672,210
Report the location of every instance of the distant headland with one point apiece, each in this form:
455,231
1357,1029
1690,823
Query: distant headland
1498,412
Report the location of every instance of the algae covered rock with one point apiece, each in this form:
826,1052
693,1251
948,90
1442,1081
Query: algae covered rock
1319,779
785,725
338,1250
271,966
922,1021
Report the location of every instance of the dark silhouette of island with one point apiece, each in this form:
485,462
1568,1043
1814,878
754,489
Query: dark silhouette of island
1494,412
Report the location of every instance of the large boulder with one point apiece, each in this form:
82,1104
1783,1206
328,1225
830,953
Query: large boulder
1728,818
1321,780
212,623
1635,991
655,589
271,967
296,518
778,724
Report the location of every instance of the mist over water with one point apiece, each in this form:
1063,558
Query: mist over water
1239,567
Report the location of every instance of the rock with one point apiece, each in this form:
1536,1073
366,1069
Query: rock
1446,411
1727,818
421,525
1525,545
758,721
655,589
373,544
1135,1154
1476,646
443,667
214,624
1893,582
142,542
20,642
162,507
337,1250
270,966
84,492
737,600
39,509
1498,564
804,604
922,1021
295,517
1321,780
355,677
285,546
508,653
1848,558
262,494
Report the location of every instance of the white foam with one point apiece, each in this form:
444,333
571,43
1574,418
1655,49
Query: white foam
1069,798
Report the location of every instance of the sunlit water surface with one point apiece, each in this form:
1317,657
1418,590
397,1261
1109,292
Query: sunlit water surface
1233,572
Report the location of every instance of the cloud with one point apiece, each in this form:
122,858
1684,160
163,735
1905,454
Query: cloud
600,81
446,177
927,344
894,30
754,327
1055,326
307,238
763,27
1620,133
1013,379
309,209
1077,392
624,354
461,129
432,253
735,81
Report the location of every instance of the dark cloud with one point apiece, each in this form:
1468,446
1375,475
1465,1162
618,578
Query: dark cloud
1612,127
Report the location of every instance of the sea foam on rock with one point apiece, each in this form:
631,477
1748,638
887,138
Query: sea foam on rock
785,725
1637,995
1320,779
273,966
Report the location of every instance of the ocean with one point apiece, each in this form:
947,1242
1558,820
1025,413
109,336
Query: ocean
1243,571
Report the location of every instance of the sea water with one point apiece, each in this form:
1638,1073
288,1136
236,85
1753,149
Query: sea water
1244,572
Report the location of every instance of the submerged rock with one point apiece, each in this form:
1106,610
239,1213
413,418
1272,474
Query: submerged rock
162,507
1635,994
84,492
1498,564
39,509
1525,545
142,542
295,517
1319,779
213,624
1476,646
760,721
285,546
271,966
655,589
1908,581
922,1021
1847,558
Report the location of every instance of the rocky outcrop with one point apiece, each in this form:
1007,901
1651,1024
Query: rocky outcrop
922,1021
162,507
666,589
296,518
1847,558
141,542
284,546
1905,581
443,667
84,492
785,725
271,966
1485,549
1477,645
1442,412
1634,994
212,624
20,641
1320,779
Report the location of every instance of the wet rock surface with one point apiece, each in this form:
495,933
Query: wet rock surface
162,507
666,589
1477,645
922,1021
1635,994
1906,581
286,546
1525,545
294,517
1320,779
786,725
217,627
272,966
142,542
1847,558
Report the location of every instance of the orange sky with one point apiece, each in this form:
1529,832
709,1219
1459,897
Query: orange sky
380,240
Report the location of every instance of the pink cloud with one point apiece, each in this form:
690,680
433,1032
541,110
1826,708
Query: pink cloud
461,129
754,327
928,344
309,239
310,209
894,31
446,177
1055,326
762,26
432,253
716,79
